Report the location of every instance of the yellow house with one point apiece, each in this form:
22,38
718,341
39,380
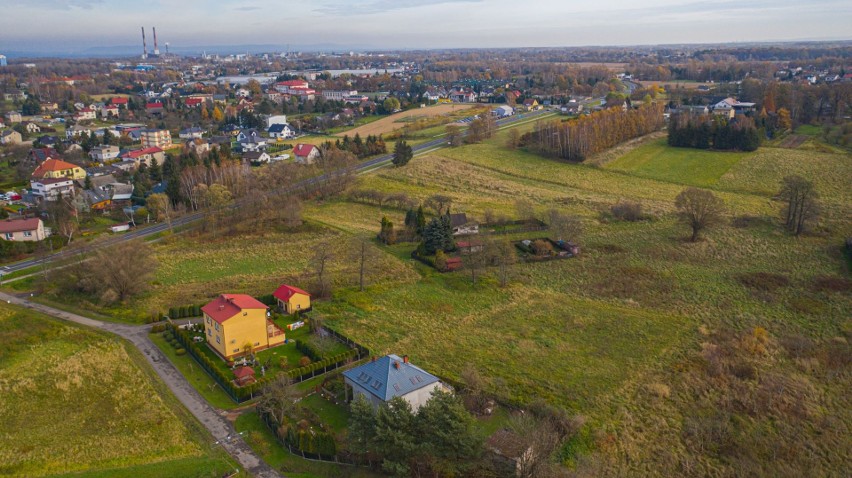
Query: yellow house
292,299
237,323
56,168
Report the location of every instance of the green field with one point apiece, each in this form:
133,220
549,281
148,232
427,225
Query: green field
76,401
677,165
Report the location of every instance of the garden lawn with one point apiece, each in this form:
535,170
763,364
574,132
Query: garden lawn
263,442
78,401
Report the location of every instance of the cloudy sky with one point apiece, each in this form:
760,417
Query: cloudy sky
385,24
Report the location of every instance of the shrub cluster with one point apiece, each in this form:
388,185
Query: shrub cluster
627,211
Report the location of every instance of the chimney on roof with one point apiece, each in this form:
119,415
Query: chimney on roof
374,359
405,359
396,365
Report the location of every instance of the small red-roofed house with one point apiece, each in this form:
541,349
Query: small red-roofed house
292,299
306,153
244,376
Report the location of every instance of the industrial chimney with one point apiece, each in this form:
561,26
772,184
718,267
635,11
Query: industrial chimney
144,46
156,48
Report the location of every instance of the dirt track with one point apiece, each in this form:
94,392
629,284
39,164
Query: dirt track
390,123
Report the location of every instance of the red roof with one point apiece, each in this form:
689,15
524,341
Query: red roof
302,83
156,104
19,225
303,149
194,101
243,372
141,152
52,165
226,306
284,292
118,100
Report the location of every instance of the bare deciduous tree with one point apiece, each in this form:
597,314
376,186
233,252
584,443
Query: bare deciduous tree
563,226
320,264
279,398
802,206
699,209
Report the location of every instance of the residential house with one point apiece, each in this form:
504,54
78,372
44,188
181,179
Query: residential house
729,107
244,376
14,95
153,137
573,107
13,117
198,146
462,226
10,136
531,104
104,153
193,102
256,157
154,108
236,323
192,133
463,96
275,119
119,101
145,156
50,189
338,95
56,168
280,131
251,140
292,299
42,154
287,86
85,114
22,229
77,130
47,141
390,376
306,153
617,102
109,111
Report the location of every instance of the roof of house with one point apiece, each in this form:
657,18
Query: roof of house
303,149
155,104
52,165
40,154
253,155
194,101
458,219
243,372
226,306
19,225
46,181
278,128
284,292
390,376
118,100
194,129
141,152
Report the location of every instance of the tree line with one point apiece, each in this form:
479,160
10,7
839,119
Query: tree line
713,132
576,140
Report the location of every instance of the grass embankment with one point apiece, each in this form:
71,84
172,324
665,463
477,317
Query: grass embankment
78,401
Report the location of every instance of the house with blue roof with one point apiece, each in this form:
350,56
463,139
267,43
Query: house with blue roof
391,376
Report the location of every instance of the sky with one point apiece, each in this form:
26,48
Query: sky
75,25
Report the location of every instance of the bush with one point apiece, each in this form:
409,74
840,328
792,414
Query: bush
627,211
180,351
304,361
542,248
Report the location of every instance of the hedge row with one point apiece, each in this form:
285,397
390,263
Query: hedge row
239,394
314,442
184,311
322,366
308,349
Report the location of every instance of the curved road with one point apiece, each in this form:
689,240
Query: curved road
223,432
196,216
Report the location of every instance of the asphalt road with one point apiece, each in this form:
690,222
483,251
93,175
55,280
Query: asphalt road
147,231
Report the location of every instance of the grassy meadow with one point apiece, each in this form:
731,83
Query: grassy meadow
77,401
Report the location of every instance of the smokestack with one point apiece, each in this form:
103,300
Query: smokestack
156,48
144,45
405,358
